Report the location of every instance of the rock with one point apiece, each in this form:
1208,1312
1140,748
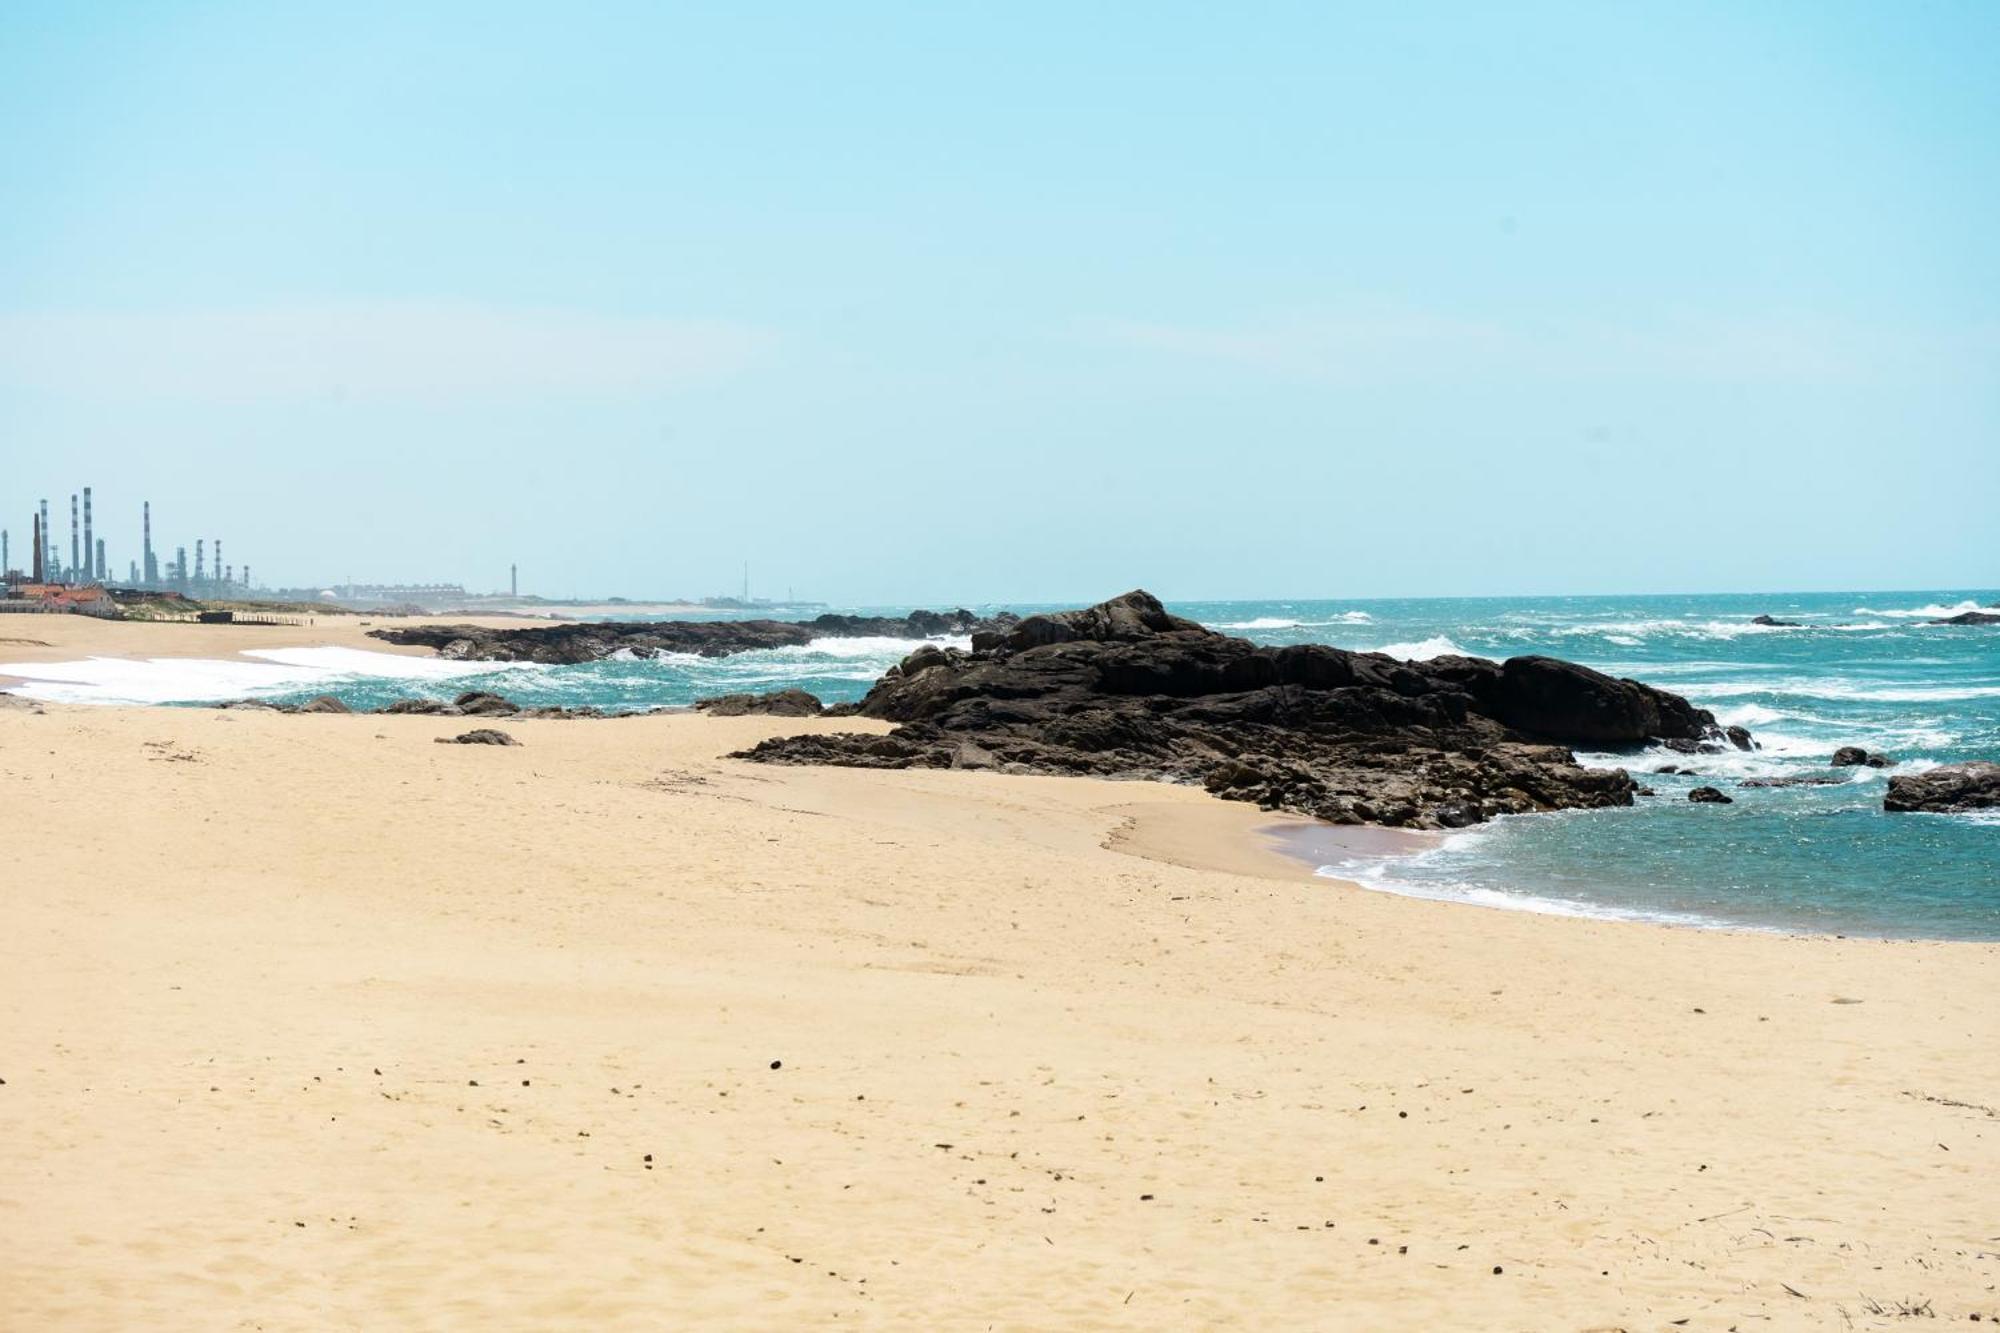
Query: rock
1948,789
1709,796
422,707
1969,618
1126,690
481,703
1739,737
324,703
594,641
1772,622
1803,780
776,703
1853,756
479,736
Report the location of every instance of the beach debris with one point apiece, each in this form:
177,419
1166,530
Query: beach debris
1853,756
1709,796
479,736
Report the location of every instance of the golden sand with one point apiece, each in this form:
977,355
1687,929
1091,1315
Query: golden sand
308,1022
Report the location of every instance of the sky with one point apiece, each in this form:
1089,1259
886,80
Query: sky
983,302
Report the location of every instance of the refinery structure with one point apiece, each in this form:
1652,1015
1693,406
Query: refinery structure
39,570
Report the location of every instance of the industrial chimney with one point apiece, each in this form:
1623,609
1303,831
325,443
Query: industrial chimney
199,547
99,575
75,558
38,549
89,549
151,568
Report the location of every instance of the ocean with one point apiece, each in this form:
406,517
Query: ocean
1862,669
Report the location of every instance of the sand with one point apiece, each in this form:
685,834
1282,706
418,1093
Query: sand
308,1022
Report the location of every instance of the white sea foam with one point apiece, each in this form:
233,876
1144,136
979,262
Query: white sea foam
1935,611
159,680
1423,650
1280,622
870,646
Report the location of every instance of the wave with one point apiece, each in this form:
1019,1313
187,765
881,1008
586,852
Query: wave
164,680
1935,611
1843,691
1423,650
869,646
1281,622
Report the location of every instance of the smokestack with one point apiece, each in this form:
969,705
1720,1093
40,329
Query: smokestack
5,558
218,561
99,575
513,580
181,567
152,567
89,549
75,560
199,547
246,578
38,548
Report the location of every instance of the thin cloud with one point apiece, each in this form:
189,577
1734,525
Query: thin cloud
369,350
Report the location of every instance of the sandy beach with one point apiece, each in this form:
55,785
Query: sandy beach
309,1022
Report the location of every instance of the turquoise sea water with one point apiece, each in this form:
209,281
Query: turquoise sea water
1863,671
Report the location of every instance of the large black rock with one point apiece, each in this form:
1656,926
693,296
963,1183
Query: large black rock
1948,789
1124,689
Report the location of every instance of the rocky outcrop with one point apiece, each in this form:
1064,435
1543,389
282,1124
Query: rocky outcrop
774,703
1853,756
1969,618
1709,796
324,703
1948,789
593,642
478,736
1126,690
1772,622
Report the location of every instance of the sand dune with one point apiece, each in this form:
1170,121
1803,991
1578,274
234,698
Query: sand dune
307,1022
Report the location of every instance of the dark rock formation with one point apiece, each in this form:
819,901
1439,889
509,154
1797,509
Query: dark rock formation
1853,756
1709,796
1772,622
775,703
1969,618
478,736
324,703
717,638
1126,690
1801,780
483,703
1739,737
1949,789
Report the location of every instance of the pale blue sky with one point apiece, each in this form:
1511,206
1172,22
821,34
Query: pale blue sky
926,303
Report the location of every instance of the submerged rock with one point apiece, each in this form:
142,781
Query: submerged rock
1772,622
1709,796
1948,789
1802,780
773,703
1853,756
1969,618
1126,690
